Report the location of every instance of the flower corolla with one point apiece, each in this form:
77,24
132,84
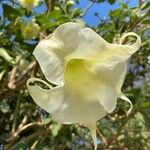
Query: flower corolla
87,71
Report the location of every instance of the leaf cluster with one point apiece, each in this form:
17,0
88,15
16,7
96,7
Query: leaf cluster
23,125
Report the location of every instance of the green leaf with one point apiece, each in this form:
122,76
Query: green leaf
4,107
42,18
50,25
47,120
11,13
4,54
145,104
55,14
146,21
145,5
100,1
1,74
55,129
20,146
76,12
111,1
4,41
115,12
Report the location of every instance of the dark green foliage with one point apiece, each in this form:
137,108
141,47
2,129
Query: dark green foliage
23,125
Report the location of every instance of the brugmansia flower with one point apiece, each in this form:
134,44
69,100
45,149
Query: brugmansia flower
88,73
30,31
29,4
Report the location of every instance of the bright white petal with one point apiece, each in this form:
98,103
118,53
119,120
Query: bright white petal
110,82
51,51
77,109
90,45
111,67
131,49
92,128
81,95
93,46
50,63
48,99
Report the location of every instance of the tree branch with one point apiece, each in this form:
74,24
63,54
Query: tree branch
50,6
102,137
87,8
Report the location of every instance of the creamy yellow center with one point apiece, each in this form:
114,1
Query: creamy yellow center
78,78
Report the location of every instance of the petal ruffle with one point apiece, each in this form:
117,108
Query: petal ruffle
67,107
76,109
49,99
91,44
131,48
50,63
111,66
64,105
82,90
51,51
88,71
71,41
112,78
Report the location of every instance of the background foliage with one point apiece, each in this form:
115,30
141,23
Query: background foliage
23,125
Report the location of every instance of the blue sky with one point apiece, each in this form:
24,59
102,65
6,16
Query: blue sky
102,8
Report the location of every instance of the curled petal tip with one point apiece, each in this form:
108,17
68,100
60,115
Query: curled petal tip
88,73
133,47
37,80
123,97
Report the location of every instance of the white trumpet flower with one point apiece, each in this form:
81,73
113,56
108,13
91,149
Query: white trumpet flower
29,4
88,73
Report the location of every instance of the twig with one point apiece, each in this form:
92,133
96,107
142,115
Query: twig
42,132
50,6
29,68
141,2
102,137
34,145
24,120
12,78
15,117
19,83
19,130
42,35
87,8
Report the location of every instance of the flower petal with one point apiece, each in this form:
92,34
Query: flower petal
48,99
51,51
111,67
76,109
50,63
123,97
131,49
92,128
110,82
91,44
82,91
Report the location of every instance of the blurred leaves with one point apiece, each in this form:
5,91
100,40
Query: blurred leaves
4,54
23,125
4,107
11,13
